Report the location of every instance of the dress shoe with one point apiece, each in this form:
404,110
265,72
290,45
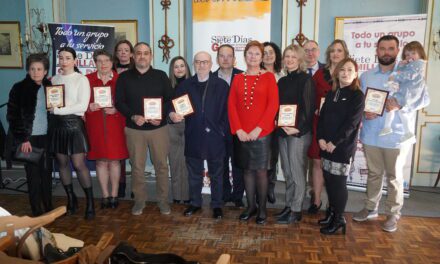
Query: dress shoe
113,202
248,213
217,213
186,201
260,220
286,210
293,217
105,202
314,209
191,210
176,201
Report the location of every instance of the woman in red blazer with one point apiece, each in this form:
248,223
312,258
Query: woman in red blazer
252,106
105,129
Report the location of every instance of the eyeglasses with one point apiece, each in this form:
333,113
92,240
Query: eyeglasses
203,63
311,50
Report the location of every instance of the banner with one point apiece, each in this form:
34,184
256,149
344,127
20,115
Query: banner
230,22
84,39
361,36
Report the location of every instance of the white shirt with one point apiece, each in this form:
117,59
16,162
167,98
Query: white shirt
77,89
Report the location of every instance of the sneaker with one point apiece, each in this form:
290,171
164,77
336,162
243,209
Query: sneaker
138,208
364,215
385,131
390,225
164,208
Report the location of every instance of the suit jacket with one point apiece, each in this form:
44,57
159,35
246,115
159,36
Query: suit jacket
206,129
321,65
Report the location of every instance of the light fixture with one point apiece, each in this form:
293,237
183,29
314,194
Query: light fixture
37,39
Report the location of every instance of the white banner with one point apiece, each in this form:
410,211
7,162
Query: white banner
361,36
230,22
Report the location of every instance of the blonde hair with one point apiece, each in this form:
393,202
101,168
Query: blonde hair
302,66
330,49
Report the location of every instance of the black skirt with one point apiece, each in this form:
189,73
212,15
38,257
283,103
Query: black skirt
253,155
67,135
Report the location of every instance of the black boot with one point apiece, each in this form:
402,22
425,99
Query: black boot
329,215
90,207
337,223
72,202
271,186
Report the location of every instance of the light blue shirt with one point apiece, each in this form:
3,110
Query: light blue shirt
39,127
369,135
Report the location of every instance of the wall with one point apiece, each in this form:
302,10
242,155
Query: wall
12,10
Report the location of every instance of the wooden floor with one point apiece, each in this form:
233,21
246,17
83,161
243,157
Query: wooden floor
204,239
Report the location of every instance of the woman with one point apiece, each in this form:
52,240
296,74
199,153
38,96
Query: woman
123,59
67,132
336,52
272,63
178,72
337,134
105,128
252,106
297,88
27,117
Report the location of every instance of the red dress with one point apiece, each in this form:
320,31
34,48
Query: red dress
105,132
323,86
264,104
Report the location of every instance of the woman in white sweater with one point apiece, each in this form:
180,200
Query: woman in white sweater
67,132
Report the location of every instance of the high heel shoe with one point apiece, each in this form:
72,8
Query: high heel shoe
337,223
329,215
247,214
113,202
105,201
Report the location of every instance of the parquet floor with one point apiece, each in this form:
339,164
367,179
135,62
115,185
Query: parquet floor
204,239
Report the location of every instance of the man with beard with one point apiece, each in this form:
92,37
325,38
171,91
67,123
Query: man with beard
385,153
131,88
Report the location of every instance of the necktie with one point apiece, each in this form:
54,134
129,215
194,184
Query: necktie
310,71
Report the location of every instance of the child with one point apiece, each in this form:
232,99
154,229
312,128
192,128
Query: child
407,84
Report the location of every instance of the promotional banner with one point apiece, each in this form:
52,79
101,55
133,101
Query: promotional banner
361,35
230,22
84,39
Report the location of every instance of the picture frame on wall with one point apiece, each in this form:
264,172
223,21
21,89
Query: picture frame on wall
124,29
339,26
10,45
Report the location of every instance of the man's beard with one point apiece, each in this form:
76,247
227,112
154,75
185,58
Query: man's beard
386,61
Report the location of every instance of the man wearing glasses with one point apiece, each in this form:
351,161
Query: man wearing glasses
311,49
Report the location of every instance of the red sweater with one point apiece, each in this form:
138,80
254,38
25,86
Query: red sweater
264,106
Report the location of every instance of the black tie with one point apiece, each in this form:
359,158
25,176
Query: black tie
310,71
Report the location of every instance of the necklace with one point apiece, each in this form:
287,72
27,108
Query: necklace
251,96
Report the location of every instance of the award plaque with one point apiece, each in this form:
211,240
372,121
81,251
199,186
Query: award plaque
287,115
321,104
103,96
182,105
375,101
55,96
153,108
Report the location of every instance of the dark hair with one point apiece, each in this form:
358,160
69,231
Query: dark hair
37,57
226,46
115,52
171,70
355,85
414,46
71,51
100,52
330,49
254,43
142,43
277,64
388,38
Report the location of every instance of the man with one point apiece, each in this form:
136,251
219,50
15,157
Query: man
205,132
227,71
385,153
311,48
132,86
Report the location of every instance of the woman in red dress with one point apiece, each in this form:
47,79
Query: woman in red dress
336,52
252,106
105,128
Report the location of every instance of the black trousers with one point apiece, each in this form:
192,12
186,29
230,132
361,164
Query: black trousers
234,192
39,179
336,187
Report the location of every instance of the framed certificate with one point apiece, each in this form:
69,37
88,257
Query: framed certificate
153,108
287,115
55,96
103,96
321,103
375,100
182,105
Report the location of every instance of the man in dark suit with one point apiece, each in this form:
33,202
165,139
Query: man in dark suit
205,132
311,49
226,71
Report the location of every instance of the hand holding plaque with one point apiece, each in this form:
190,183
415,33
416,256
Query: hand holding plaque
375,101
103,96
287,115
183,106
153,108
55,96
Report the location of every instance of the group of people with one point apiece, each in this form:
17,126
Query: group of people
235,118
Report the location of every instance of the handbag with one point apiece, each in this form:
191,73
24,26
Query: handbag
33,157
